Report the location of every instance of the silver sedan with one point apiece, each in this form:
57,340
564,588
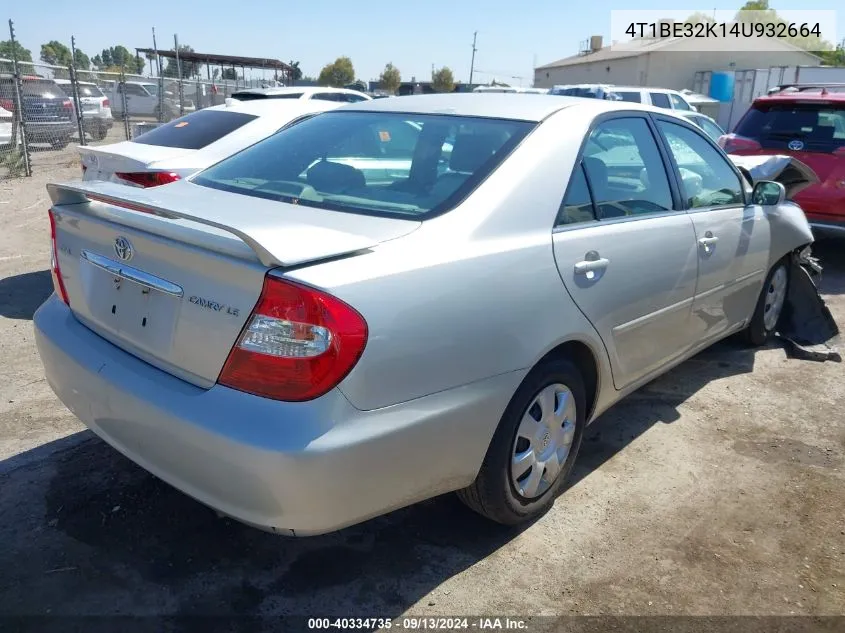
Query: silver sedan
356,314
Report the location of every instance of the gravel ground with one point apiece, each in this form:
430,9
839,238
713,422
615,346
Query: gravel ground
716,490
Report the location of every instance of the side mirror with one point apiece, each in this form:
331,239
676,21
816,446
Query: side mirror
768,193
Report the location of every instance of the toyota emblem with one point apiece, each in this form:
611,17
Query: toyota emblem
796,145
123,248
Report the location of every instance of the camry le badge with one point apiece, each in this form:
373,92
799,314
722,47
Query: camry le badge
123,248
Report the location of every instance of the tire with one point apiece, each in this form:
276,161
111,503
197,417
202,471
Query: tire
100,133
500,492
764,323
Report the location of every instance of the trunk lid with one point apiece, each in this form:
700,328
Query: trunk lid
102,163
171,275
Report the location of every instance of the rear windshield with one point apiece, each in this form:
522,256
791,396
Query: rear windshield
34,88
251,96
85,90
376,163
593,93
820,127
195,130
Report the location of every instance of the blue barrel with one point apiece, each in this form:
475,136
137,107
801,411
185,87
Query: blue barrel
722,86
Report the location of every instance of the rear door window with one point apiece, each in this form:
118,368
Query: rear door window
630,95
625,170
795,126
660,99
195,130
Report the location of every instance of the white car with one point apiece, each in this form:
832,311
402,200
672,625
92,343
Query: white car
195,141
96,108
6,121
342,95
658,97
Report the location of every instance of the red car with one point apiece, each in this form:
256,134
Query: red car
808,123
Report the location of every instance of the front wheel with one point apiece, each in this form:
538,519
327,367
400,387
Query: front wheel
534,448
770,305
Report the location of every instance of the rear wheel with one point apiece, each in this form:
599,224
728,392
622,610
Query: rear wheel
534,447
770,305
100,133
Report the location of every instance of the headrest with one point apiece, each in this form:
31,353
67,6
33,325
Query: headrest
471,151
334,177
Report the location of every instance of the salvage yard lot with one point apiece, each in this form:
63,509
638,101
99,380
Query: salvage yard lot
717,489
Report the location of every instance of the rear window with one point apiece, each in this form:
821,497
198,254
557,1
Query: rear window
84,90
376,163
38,88
820,127
660,99
593,93
252,96
195,130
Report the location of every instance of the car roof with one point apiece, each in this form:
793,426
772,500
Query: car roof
295,89
802,95
268,107
494,105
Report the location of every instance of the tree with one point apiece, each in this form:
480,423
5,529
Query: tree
296,71
230,73
189,69
390,78
337,74
763,13
442,80
55,53
699,18
7,52
81,60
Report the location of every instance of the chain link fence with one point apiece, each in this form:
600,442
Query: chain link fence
47,111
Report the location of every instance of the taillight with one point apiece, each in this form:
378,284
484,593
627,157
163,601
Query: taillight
149,178
732,143
55,271
298,344
106,103
67,104
7,104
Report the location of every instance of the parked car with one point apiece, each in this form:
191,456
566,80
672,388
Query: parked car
343,95
658,97
703,121
185,145
7,120
97,119
142,100
589,91
302,350
48,115
809,124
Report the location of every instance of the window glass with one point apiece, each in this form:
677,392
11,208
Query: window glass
325,96
633,97
820,127
713,130
678,103
577,204
195,130
660,99
707,179
625,169
370,162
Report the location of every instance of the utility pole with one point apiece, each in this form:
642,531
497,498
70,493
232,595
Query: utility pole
74,85
472,63
20,128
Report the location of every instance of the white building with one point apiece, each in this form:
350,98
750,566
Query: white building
666,63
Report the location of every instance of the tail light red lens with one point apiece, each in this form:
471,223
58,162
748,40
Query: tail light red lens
7,104
298,344
149,178
106,103
67,104
732,144
55,271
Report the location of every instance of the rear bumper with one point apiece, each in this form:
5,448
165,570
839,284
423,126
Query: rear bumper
39,131
293,468
826,227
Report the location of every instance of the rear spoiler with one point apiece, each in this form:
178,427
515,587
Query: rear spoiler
258,223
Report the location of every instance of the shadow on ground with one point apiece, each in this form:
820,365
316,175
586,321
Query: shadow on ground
831,254
84,530
20,295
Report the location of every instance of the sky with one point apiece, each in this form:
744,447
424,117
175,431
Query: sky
513,36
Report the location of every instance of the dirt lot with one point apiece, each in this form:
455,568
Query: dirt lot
718,489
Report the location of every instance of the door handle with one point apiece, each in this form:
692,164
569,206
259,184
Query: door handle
591,265
708,242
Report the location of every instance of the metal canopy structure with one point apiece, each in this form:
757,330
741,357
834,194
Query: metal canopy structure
224,61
